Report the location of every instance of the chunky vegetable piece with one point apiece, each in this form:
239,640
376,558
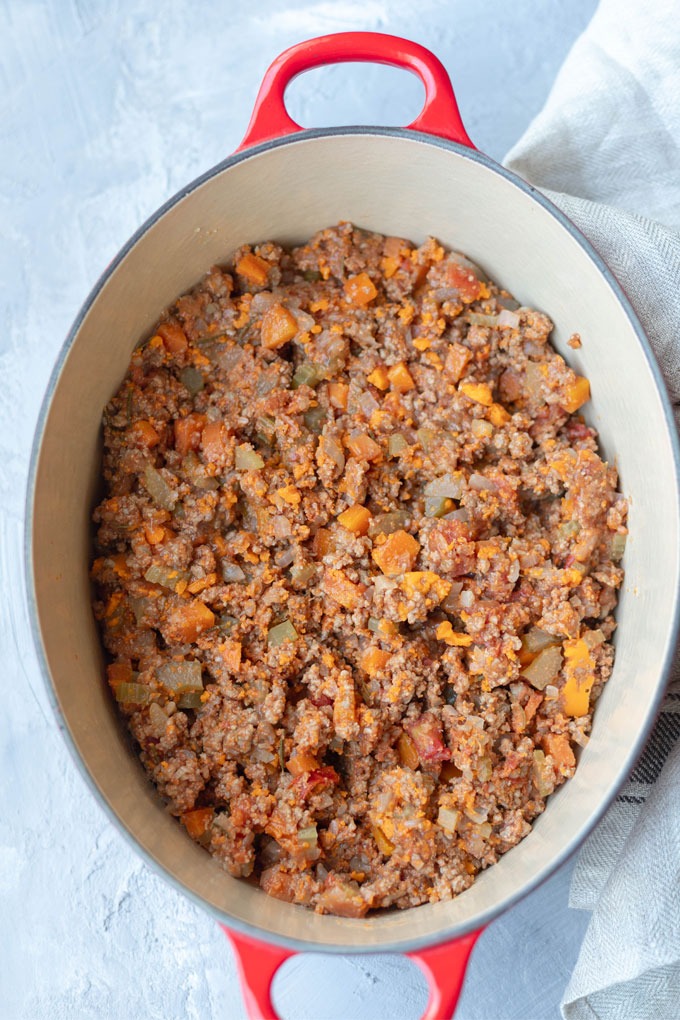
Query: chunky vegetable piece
356,566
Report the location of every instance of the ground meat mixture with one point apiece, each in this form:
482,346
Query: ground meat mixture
356,567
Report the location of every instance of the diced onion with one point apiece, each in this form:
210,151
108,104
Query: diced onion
508,319
180,677
448,819
281,632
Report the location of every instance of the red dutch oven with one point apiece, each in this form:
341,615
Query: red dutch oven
284,184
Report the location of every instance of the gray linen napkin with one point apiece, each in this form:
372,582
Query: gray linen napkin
606,149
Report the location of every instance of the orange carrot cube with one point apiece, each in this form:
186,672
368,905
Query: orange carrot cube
379,378
254,269
173,336
397,553
374,659
363,447
337,394
360,290
338,586
188,433
356,519
400,378
576,394
278,327
197,822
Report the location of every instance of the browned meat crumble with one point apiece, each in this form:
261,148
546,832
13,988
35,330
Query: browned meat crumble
356,567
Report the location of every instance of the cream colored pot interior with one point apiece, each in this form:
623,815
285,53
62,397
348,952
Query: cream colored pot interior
396,185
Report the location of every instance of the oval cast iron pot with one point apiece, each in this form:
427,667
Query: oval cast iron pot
284,184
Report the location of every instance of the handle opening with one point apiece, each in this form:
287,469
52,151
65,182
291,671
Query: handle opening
439,115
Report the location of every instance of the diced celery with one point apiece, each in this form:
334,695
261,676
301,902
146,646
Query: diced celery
312,275
478,319
307,374
245,458
181,677
308,835
386,524
569,529
159,490
167,577
266,428
618,546
132,694
428,439
314,418
281,632
190,700
192,379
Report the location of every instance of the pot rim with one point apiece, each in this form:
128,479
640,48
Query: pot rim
481,920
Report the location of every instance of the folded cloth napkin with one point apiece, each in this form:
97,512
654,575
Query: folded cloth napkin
606,149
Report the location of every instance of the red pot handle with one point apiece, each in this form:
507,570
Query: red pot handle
439,115
443,966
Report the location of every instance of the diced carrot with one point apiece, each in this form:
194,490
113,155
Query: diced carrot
389,265
479,392
212,441
337,394
184,623
338,586
144,434
397,553
173,336
559,748
374,659
576,394
406,749
255,269
197,822
382,842
356,519
457,360
363,447
393,404
154,533
579,667
533,701
231,654
445,632
301,762
323,543
360,289
119,673
498,415
379,378
400,378
289,494
425,582
278,327
188,433
201,583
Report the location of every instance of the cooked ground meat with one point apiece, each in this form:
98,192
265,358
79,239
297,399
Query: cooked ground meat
356,567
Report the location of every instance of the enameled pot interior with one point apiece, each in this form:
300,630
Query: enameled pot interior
396,184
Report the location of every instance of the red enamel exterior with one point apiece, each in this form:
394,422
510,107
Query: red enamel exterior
439,115
443,966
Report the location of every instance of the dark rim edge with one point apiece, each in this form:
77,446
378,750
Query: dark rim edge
589,823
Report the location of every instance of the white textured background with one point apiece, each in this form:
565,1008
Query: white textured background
106,109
